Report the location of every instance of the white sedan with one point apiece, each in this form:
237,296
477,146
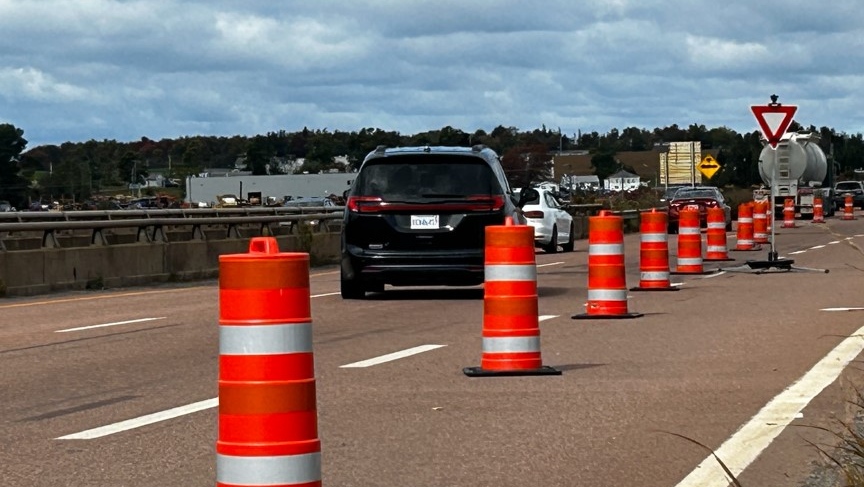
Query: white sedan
553,226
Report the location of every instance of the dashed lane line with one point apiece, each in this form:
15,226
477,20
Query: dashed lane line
116,323
391,356
142,421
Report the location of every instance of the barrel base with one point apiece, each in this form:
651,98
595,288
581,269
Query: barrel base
670,288
480,372
586,316
702,273
724,259
757,247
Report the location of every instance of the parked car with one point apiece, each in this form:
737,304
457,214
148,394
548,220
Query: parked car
5,206
700,198
553,226
842,188
417,216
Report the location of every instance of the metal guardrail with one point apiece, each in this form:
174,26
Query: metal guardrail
150,224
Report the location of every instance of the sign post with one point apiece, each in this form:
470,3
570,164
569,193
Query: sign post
774,120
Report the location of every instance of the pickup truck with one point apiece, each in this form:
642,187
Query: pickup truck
842,188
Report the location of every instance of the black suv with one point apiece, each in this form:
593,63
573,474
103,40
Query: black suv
416,216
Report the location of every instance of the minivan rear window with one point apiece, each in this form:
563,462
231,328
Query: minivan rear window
424,177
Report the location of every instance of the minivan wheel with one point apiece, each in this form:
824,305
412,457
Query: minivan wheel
351,289
553,242
571,242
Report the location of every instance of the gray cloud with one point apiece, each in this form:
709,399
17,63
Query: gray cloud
110,69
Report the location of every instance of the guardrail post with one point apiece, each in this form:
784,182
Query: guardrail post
197,233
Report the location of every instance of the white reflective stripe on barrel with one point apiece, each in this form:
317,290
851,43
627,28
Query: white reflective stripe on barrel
716,225
655,237
690,261
654,276
715,248
511,344
265,339
688,230
606,249
745,219
607,294
507,272
280,470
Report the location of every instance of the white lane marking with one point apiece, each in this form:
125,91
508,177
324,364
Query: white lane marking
547,317
709,276
551,263
841,309
834,242
817,247
676,284
747,443
322,295
797,252
391,356
116,323
142,421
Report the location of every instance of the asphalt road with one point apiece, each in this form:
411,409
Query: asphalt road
706,362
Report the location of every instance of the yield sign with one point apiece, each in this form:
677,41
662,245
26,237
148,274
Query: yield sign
773,119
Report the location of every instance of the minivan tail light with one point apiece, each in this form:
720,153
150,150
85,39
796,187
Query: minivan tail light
485,202
361,204
533,214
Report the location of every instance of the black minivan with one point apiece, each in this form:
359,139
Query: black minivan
416,216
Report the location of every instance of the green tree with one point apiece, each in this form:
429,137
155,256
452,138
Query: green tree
12,143
604,164
257,156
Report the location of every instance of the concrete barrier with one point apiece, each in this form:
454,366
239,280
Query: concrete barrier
40,271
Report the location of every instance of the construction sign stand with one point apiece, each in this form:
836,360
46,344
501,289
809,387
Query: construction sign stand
774,119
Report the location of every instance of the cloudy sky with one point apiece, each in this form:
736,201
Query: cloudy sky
75,70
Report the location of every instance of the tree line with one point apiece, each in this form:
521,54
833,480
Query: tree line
78,170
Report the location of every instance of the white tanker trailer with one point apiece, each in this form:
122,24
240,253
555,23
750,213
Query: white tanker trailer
797,169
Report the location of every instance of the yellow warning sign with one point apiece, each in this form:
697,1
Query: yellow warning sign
708,166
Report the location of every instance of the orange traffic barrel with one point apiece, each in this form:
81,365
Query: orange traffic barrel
654,252
689,258
268,420
818,211
607,284
716,246
760,221
744,233
848,208
789,213
511,322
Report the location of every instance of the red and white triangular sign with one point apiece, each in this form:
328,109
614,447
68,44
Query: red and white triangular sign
774,120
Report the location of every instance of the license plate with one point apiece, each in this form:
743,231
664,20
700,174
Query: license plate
424,222
692,207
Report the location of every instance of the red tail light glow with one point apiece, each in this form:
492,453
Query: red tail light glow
534,214
375,204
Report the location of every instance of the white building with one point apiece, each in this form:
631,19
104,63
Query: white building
622,181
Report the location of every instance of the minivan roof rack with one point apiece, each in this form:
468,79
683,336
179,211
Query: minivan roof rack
380,149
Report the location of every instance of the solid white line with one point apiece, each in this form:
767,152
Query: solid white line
841,309
322,295
709,276
110,324
834,242
391,356
797,252
817,247
547,317
676,284
142,421
747,443
551,263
